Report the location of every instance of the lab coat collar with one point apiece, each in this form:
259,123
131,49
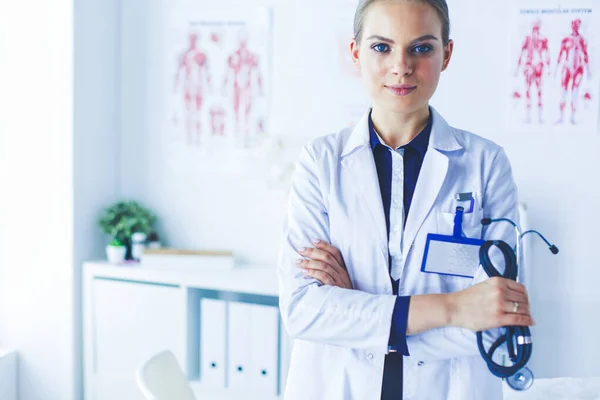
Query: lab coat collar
442,135
361,166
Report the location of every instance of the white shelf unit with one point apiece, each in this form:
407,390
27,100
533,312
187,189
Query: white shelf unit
133,312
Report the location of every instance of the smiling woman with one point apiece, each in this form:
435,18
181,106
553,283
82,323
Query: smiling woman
368,322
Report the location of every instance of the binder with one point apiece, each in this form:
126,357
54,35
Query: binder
213,343
264,350
239,340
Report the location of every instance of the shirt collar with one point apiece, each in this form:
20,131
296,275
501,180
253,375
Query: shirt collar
419,143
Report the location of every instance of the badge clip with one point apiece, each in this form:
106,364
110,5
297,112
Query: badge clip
466,197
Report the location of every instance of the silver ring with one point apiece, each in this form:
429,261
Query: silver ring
516,307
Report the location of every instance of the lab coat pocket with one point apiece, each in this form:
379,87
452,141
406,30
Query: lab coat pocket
471,224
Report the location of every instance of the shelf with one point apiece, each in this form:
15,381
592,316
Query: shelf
249,279
133,311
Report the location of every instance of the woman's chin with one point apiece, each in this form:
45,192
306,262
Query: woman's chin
405,106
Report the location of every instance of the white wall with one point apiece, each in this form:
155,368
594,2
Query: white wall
184,199
96,143
59,164
202,208
36,171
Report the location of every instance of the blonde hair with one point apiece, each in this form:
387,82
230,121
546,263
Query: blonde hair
440,6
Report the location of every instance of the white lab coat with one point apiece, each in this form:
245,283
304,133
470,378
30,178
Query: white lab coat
341,336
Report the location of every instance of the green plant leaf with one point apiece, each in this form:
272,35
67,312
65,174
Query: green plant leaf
121,219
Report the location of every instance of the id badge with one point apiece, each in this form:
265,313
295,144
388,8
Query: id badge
450,255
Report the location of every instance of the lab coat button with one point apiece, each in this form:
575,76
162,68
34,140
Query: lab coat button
420,363
370,356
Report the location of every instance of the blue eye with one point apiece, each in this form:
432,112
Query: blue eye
422,48
380,47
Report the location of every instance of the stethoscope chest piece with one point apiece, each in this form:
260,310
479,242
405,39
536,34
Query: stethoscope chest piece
522,380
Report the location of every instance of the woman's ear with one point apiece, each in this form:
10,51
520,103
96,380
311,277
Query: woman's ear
448,49
354,52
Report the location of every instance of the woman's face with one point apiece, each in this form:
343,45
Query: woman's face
401,55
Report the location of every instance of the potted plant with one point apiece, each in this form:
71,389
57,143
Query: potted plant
115,252
124,218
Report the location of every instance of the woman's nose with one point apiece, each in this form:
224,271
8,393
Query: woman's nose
401,65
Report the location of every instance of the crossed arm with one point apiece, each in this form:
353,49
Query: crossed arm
487,305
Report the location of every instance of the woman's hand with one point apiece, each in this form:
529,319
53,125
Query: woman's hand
491,304
325,264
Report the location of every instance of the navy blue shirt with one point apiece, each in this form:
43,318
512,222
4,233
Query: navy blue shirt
414,153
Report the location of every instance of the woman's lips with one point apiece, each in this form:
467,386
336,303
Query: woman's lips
401,90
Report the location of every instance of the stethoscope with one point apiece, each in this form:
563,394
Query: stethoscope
517,338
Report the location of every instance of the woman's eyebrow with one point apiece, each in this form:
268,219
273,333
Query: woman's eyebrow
387,40
425,37
381,38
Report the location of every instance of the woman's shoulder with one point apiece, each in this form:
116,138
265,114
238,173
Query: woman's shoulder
329,145
450,138
474,143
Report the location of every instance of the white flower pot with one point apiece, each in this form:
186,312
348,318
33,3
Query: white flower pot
115,254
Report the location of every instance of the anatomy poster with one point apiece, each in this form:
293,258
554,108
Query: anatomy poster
218,76
554,60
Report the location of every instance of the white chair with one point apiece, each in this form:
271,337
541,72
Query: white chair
161,378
